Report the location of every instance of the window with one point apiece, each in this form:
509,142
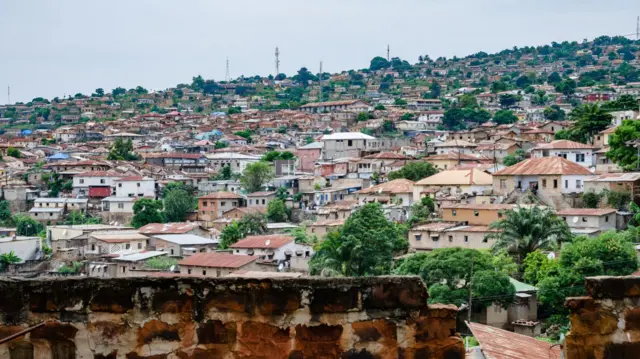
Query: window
250,202
124,269
350,143
218,273
93,247
584,219
606,219
503,183
128,246
264,201
188,271
121,205
81,181
204,272
580,157
120,185
222,203
50,214
102,180
237,251
555,183
450,238
578,183
418,237
566,183
453,212
139,245
544,183
138,184
466,239
499,214
171,251
204,203
476,213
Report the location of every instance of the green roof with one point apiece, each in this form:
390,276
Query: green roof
522,287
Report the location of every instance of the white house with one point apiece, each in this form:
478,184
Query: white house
135,186
237,161
94,183
589,221
576,152
270,247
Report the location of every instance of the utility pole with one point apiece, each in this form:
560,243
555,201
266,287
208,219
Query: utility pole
227,77
277,61
470,283
388,53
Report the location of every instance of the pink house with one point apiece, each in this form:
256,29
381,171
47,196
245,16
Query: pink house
308,155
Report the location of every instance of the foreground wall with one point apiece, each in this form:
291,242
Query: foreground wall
192,318
606,323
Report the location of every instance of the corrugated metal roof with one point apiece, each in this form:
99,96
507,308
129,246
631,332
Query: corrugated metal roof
221,195
501,344
185,239
217,260
466,177
396,186
544,166
586,211
273,241
168,228
563,144
141,256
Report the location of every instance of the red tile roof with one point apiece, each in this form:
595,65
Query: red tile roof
221,195
273,241
217,260
544,166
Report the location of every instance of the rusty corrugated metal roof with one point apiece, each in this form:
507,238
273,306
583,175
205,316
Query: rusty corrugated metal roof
501,344
544,166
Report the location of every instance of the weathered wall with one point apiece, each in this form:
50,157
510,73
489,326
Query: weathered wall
194,318
606,323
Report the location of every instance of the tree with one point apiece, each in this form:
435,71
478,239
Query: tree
26,226
448,277
380,108
590,199
567,87
277,155
9,258
219,145
255,176
234,110
5,211
509,100
523,230
303,77
244,133
253,224
177,205
622,153
147,211
589,120
362,116
230,235
363,246
141,90
197,83
421,211
518,156
503,117
122,150
161,263
378,63
225,174
414,171
453,119
554,113
277,211
118,91
13,152
100,92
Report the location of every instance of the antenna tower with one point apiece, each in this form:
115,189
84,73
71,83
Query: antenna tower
388,53
277,61
638,29
227,77
320,82
8,95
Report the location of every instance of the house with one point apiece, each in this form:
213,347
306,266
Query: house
573,151
182,245
194,228
276,247
110,242
496,151
135,186
212,206
239,212
24,247
589,221
457,146
51,210
628,182
95,184
465,181
308,155
208,187
348,144
474,214
188,162
602,138
236,161
551,178
61,237
451,160
260,199
333,106
398,192
337,210
430,236
322,227
216,264
127,265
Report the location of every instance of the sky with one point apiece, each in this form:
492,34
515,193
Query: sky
51,48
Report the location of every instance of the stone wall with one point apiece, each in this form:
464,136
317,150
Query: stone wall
195,318
606,323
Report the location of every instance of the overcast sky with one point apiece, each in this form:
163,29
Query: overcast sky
54,47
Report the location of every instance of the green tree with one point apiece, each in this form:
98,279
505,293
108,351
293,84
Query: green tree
518,156
363,246
118,91
277,155
508,100
244,133
554,113
620,150
177,205
277,211
234,111
26,226
161,263
5,211
378,63
414,171
122,150
147,211
303,77
503,117
362,116
219,144
225,174
523,230
230,235
255,176
253,224
197,83
591,199
537,266
8,258
421,211
567,87
589,120
13,152
100,92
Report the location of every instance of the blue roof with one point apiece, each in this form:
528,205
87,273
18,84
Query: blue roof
59,156
27,132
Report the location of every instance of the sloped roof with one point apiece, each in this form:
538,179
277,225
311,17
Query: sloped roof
168,228
563,144
221,195
273,241
544,166
586,211
501,344
396,186
472,176
217,260
387,156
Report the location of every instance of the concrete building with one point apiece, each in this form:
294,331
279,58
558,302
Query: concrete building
260,199
182,245
217,264
348,144
212,206
455,182
236,161
135,186
576,152
589,221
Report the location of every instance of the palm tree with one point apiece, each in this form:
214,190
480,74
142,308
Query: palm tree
523,230
329,259
590,119
9,258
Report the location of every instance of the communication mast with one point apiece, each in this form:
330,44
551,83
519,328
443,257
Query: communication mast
8,95
638,29
320,82
388,53
277,61
227,77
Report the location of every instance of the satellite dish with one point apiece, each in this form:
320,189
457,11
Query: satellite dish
280,267
551,255
267,242
575,219
172,268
